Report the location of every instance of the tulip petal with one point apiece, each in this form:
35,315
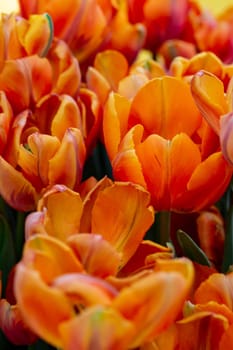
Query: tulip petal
208,92
163,99
93,251
152,303
129,216
44,253
15,189
99,328
42,307
84,290
226,136
63,212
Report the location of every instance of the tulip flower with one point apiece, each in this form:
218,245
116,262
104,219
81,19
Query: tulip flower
21,37
78,299
149,139
216,106
129,217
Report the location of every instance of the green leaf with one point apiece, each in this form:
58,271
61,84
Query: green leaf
191,250
7,253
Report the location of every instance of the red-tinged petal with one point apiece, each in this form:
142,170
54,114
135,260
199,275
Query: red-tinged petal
93,252
208,92
15,189
226,341
112,65
45,253
42,307
115,122
126,165
62,209
13,326
218,287
67,74
67,165
183,165
152,303
201,331
67,115
129,216
145,257
84,290
99,328
89,202
158,115
213,175
91,117
153,157
17,94
226,136
215,308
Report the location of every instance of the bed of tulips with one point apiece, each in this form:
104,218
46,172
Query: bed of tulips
116,164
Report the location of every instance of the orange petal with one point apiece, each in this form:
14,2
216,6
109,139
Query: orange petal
67,165
42,307
208,92
126,165
128,219
15,189
115,122
103,327
84,290
226,341
44,253
163,98
218,287
203,329
89,202
93,251
62,209
226,136
112,65
150,305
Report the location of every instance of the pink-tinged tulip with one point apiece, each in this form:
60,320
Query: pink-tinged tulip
211,234
145,140
23,37
13,326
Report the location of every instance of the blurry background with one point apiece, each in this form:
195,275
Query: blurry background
215,5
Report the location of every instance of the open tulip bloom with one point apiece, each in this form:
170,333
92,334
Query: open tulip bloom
116,164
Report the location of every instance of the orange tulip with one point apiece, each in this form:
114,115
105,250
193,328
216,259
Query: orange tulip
72,300
22,37
144,142
107,22
216,106
62,213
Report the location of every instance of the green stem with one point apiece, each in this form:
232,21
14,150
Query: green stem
165,227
